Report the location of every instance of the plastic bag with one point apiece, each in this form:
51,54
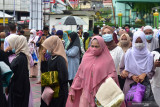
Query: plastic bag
148,96
136,93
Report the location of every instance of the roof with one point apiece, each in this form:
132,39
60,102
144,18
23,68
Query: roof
6,15
153,1
76,13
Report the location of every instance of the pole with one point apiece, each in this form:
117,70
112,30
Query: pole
74,3
44,14
113,13
41,15
14,10
4,13
37,15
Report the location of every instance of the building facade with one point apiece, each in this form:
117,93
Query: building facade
16,8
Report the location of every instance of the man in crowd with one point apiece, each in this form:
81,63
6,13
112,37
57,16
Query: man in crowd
152,43
53,32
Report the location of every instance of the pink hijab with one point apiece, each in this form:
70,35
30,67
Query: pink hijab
92,72
40,33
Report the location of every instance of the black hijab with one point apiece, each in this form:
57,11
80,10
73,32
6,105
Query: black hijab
3,57
86,35
75,41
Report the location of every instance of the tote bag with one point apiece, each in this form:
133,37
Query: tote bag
109,94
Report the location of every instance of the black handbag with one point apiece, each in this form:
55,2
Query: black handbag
148,96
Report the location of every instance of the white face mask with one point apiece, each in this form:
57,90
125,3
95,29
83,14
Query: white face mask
139,46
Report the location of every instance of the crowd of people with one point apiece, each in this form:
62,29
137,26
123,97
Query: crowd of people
74,65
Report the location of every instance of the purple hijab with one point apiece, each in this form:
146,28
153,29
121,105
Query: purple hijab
138,61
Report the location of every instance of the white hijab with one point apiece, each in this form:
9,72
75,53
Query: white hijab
33,37
138,61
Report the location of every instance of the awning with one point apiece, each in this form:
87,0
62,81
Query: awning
131,1
6,15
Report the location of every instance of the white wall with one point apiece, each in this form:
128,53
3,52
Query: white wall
20,5
36,21
53,21
86,19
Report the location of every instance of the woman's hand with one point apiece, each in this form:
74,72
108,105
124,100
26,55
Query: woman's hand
124,74
142,77
71,98
135,78
8,49
157,63
32,41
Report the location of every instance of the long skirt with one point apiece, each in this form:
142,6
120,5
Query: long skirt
34,71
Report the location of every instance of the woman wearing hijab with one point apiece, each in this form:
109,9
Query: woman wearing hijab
57,62
86,40
115,51
97,65
4,58
40,33
73,55
2,95
137,64
34,52
65,38
125,42
19,88
155,83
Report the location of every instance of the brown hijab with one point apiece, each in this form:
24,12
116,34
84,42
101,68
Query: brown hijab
125,45
54,45
111,45
19,43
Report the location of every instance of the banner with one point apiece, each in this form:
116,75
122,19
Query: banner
52,1
1,20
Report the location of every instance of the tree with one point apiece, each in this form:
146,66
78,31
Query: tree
144,7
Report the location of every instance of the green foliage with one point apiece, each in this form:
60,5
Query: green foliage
140,22
105,15
144,7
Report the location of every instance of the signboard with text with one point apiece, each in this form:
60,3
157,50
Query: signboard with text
46,1
52,1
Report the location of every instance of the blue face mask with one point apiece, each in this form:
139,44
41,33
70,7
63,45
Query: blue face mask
107,37
13,50
2,40
48,52
149,37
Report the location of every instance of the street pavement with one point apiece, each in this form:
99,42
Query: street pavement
36,90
